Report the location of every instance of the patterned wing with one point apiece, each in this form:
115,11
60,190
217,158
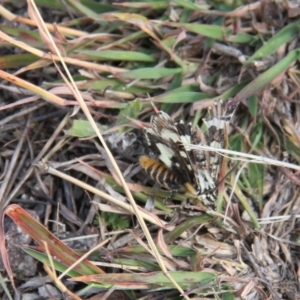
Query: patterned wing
173,165
208,163
165,143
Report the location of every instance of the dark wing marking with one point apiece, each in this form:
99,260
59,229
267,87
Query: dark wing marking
165,143
176,164
208,162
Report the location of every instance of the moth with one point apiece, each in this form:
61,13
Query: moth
176,167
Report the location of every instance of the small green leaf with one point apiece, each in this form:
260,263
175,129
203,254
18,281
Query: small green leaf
180,97
190,5
118,55
130,111
150,73
228,296
215,32
116,221
256,178
82,128
253,105
45,260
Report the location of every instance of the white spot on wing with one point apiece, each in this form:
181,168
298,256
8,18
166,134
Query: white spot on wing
170,135
183,154
215,144
205,181
186,139
166,154
219,124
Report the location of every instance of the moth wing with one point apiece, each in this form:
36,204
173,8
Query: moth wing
208,162
165,144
